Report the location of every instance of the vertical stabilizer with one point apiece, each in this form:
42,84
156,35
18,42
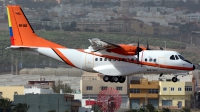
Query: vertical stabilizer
21,32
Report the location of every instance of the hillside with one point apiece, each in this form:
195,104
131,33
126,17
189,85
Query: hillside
80,40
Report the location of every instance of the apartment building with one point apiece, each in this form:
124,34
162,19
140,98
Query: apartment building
10,91
175,95
151,28
142,92
92,84
161,92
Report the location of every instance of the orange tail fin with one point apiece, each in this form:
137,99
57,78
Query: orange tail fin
21,32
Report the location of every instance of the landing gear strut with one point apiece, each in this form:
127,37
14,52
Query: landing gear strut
115,79
161,74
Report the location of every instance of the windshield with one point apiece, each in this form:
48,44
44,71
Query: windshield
181,57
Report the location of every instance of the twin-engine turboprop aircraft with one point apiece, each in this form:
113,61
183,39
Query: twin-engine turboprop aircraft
114,61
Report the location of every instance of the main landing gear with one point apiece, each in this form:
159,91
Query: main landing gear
174,79
116,79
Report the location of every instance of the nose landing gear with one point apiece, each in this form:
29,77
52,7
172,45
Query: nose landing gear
116,79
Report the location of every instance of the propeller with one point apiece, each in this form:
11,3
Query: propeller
148,45
138,51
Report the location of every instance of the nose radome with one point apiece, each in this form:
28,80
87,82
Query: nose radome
193,67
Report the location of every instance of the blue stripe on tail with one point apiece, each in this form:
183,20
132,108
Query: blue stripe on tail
11,32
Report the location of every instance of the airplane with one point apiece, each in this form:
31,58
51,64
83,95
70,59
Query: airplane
114,61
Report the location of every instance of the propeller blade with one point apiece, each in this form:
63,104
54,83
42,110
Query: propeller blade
138,50
148,45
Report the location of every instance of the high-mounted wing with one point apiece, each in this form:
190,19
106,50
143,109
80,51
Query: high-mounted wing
97,44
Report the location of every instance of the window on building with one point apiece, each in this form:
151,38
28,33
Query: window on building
104,87
96,59
166,102
134,90
1,93
188,88
172,88
164,89
119,88
152,90
179,89
89,88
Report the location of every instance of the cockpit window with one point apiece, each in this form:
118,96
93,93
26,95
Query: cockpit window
172,57
176,57
181,57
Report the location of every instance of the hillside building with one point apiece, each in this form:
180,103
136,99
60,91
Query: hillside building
92,84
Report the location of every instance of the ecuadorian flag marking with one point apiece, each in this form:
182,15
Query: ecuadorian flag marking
10,27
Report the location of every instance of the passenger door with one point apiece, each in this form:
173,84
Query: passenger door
89,61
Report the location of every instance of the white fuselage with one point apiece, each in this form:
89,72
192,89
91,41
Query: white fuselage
106,63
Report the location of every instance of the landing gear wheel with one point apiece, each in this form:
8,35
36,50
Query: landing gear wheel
111,79
115,79
122,79
106,78
174,79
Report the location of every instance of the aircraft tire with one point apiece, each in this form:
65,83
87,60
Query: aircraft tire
111,79
122,79
106,78
115,79
174,79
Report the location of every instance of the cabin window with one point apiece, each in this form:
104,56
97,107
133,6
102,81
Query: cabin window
96,59
150,59
105,59
145,59
172,57
109,59
118,59
181,57
154,60
132,59
123,59
100,59
176,57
